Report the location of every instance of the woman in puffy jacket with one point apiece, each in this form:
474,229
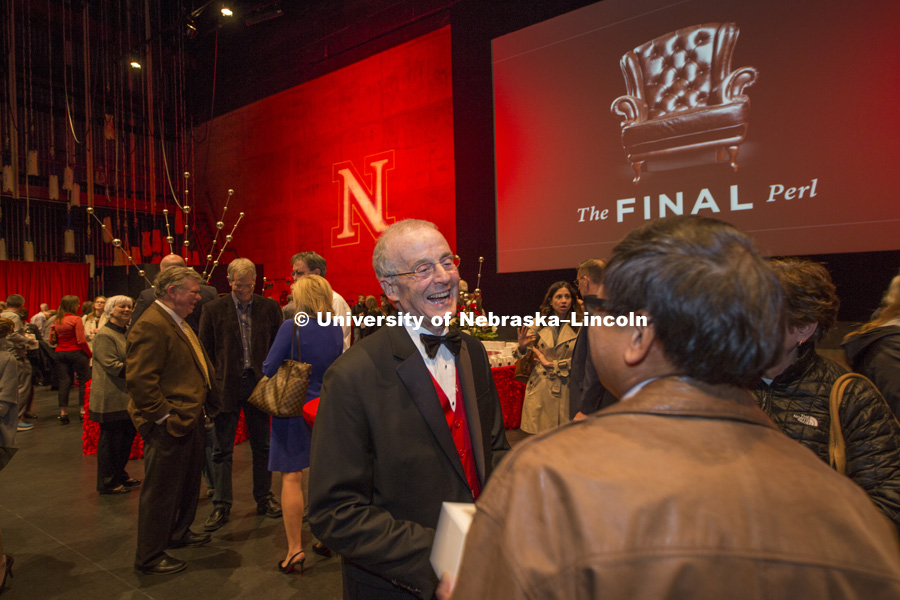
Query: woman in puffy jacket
795,391
874,351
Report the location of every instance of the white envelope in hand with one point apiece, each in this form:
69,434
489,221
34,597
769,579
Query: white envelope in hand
450,537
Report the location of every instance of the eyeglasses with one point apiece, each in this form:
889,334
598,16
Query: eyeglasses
299,273
426,270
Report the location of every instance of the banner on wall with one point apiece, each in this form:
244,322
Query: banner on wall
777,117
330,164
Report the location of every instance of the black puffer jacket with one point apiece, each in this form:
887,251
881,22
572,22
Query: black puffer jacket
876,354
797,401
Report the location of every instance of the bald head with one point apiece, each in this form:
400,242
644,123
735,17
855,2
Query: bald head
171,260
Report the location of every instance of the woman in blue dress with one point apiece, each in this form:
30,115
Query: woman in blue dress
290,438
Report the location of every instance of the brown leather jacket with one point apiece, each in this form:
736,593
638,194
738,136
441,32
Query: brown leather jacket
692,493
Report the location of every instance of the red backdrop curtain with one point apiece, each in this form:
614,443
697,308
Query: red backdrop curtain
43,282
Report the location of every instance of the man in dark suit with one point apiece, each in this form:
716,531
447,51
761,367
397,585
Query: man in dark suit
236,331
168,377
586,393
207,294
407,421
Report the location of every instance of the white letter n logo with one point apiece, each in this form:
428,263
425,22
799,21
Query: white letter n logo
368,203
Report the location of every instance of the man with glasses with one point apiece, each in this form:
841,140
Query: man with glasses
409,418
586,393
684,488
312,263
237,331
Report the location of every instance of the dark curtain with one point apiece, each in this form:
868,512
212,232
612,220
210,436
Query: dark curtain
43,282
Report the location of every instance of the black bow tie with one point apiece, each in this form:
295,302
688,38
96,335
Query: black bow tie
433,343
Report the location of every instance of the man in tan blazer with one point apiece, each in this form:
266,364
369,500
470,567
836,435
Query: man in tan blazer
168,377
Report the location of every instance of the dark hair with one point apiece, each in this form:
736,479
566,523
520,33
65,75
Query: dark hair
547,304
714,303
313,261
809,294
68,305
15,301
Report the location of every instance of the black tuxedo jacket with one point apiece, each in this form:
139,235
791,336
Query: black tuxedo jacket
207,294
383,460
220,334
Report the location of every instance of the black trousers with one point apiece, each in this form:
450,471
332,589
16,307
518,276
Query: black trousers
170,490
223,453
113,448
68,364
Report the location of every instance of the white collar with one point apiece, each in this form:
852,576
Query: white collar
171,312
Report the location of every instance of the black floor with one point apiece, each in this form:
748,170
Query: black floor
70,542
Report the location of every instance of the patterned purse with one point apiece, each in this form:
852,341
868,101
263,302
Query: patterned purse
284,394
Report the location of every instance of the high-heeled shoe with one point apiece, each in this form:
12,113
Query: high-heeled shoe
63,419
9,572
292,564
322,550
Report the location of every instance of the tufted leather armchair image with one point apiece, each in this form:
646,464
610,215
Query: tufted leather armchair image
683,95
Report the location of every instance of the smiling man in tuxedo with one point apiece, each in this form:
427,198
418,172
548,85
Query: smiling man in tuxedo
409,418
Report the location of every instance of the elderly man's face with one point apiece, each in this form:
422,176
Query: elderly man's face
184,297
433,296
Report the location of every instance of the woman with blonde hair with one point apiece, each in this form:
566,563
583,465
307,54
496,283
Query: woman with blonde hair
874,349
94,319
318,345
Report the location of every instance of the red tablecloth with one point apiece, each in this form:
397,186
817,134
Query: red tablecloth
511,393
90,432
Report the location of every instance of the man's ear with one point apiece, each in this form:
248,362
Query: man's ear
801,333
388,288
640,340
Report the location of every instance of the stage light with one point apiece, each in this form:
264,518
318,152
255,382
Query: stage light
135,64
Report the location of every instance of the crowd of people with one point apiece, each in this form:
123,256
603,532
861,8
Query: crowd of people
690,453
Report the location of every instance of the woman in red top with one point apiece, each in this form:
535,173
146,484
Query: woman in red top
72,354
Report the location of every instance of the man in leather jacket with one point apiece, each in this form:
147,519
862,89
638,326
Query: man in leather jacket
684,488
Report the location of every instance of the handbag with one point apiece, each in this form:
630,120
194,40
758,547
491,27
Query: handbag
837,445
524,366
284,394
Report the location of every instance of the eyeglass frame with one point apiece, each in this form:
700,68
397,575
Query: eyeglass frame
455,260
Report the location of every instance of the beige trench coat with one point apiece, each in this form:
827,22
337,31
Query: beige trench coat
546,403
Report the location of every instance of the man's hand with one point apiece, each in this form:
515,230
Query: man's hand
445,588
